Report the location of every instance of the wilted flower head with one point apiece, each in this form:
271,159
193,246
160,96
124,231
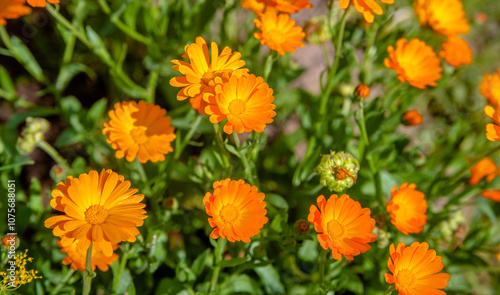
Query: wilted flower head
338,171
301,228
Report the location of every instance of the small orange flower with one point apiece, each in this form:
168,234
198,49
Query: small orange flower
407,209
412,118
12,9
287,6
490,88
481,17
99,208
493,130
342,225
456,51
279,32
237,210
484,168
415,270
366,7
491,194
197,80
41,3
253,5
246,102
78,257
446,17
498,255
414,62
11,240
139,130
362,91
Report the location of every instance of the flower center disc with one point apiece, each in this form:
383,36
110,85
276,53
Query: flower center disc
237,107
96,214
406,278
276,36
335,230
139,134
229,214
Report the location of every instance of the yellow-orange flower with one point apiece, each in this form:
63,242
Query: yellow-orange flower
414,62
287,6
491,194
139,130
77,257
12,9
41,3
253,5
446,17
456,51
490,88
415,270
412,118
98,208
246,102
342,225
484,168
366,7
237,210
11,240
493,130
362,91
279,32
407,209
197,80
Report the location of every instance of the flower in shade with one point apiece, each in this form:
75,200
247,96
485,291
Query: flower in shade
279,32
491,194
415,270
407,209
415,62
197,80
77,257
253,5
287,6
362,91
99,208
246,103
490,87
12,9
237,210
139,130
456,51
493,130
366,7
11,240
412,118
486,168
342,225
41,3
446,17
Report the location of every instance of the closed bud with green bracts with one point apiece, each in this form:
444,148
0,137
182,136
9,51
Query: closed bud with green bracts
338,171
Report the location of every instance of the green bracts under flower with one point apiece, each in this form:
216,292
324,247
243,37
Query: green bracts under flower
338,171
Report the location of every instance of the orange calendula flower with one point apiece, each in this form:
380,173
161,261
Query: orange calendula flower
279,32
412,118
446,17
98,207
245,102
12,9
415,270
493,130
414,62
342,225
362,91
41,3
366,7
253,5
139,130
287,6
490,88
237,210
77,257
407,209
11,241
486,168
197,80
456,51
491,194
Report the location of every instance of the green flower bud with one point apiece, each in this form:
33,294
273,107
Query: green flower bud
382,237
301,228
338,171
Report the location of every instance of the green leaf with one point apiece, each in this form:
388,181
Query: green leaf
99,47
271,279
168,286
70,105
69,71
200,262
309,250
240,284
7,85
24,56
277,201
97,110
233,262
69,137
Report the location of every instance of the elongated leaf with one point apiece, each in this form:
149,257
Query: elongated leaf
24,56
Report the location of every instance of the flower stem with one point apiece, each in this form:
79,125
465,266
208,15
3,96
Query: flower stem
243,159
219,250
61,19
46,147
88,274
151,87
62,282
322,263
220,143
389,290
141,171
123,263
188,137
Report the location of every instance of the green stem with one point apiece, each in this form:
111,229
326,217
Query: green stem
141,171
5,37
151,87
88,274
63,282
268,66
474,162
46,147
243,159
220,143
322,263
61,19
363,123
188,137
389,290
219,250
123,263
